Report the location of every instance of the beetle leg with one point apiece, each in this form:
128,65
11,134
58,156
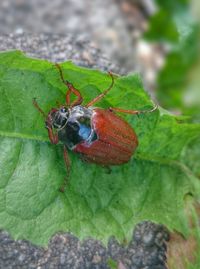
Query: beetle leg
71,89
35,103
99,97
76,92
107,169
83,159
67,163
133,112
62,188
67,160
53,137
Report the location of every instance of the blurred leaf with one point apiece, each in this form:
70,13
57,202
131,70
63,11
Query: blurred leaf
153,185
179,80
177,27
161,28
172,5
191,156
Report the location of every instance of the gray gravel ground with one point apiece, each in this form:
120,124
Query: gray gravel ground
116,27
91,19
146,250
58,48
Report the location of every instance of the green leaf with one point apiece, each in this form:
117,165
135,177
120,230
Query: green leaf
151,186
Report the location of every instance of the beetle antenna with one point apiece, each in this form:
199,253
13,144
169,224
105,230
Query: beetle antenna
35,103
155,107
58,104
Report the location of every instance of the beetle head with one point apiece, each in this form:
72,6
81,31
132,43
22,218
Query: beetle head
57,118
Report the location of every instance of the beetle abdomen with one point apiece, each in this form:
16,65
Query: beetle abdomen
116,141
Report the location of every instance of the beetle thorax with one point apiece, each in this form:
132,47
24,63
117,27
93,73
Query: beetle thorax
78,112
78,127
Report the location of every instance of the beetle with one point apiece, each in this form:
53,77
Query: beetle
99,135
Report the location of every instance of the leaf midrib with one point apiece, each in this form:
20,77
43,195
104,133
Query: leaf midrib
137,156
23,136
